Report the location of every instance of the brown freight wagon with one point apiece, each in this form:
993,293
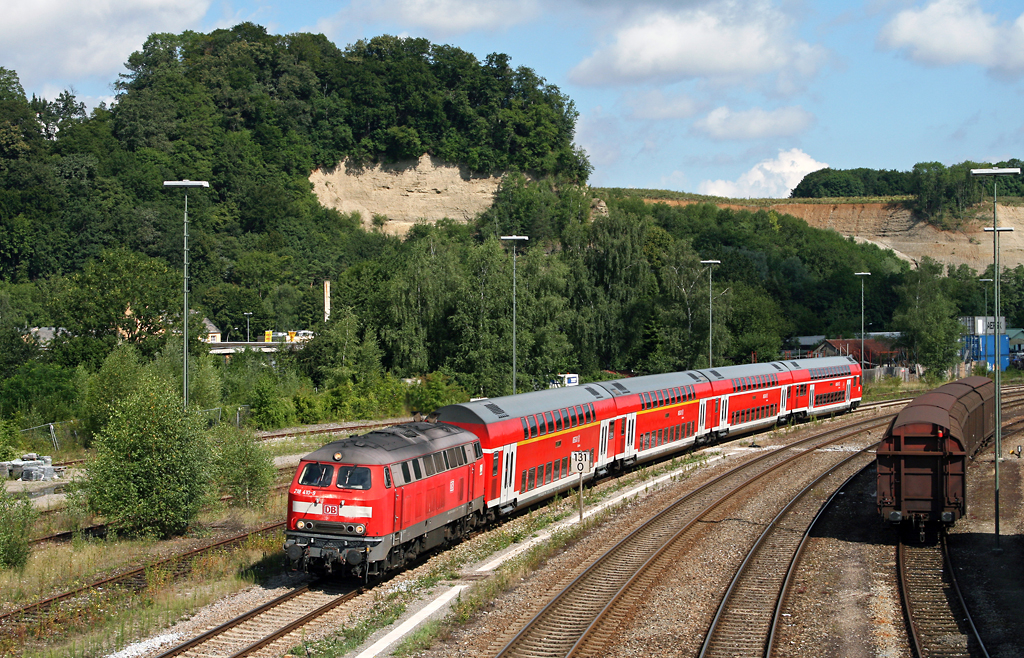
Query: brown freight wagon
922,459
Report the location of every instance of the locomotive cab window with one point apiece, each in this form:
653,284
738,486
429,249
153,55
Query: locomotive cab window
387,477
317,475
353,477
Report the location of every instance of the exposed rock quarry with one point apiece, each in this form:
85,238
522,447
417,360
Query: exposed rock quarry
429,189
423,190
893,227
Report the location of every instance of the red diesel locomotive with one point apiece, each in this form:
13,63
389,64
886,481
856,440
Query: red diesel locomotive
368,504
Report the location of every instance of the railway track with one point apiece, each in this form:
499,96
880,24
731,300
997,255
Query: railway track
938,621
66,604
263,626
749,611
584,616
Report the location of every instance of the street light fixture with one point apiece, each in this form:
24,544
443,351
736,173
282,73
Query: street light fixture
514,237
1000,171
986,320
710,264
247,314
862,275
184,343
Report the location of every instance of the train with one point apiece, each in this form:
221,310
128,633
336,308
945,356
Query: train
922,458
366,505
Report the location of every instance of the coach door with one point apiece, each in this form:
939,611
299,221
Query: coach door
508,474
783,394
810,398
848,390
628,430
701,426
725,411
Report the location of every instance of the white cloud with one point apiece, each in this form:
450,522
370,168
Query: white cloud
442,18
657,105
947,32
726,40
723,123
56,39
767,179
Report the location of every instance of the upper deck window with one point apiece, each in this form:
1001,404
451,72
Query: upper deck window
353,477
317,475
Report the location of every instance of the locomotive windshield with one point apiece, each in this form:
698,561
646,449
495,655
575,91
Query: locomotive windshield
353,477
316,475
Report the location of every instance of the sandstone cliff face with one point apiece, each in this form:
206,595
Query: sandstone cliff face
423,190
892,227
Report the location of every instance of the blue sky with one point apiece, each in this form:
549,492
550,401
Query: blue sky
732,97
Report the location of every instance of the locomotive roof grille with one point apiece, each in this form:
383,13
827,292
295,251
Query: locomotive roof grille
716,374
620,387
592,392
693,377
777,366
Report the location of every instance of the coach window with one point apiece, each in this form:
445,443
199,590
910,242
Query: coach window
547,473
551,422
526,428
579,414
543,427
565,466
317,475
522,486
661,400
533,425
558,420
531,481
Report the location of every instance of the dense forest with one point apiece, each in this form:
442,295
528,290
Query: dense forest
91,242
943,195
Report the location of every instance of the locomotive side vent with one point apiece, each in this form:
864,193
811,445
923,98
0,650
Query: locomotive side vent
593,392
496,410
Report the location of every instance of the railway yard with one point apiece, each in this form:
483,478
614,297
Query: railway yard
682,558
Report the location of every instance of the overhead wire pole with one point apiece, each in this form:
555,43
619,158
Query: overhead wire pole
184,343
514,237
1000,171
862,275
710,264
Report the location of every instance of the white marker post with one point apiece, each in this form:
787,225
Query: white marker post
580,463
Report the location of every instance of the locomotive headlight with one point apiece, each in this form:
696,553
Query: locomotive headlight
337,456
300,524
360,528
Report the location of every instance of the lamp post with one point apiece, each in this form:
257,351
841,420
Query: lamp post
986,320
184,343
514,237
1001,171
247,314
862,275
710,264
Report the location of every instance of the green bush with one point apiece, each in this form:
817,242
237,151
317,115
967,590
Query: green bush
269,409
150,471
435,391
307,407
243,467
16,517
10,440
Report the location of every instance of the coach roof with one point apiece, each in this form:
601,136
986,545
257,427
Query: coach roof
493,410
